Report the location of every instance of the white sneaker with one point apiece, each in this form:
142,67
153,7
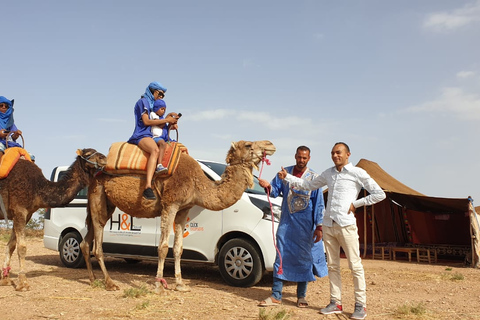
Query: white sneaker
160,168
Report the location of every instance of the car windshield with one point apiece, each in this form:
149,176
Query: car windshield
219,169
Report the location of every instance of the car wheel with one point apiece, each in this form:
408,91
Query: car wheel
240,263
70,252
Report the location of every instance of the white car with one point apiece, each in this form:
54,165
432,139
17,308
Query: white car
238,239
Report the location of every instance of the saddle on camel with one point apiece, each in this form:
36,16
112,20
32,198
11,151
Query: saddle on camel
127,158
10,158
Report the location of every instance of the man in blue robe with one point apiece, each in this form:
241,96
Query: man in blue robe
299,233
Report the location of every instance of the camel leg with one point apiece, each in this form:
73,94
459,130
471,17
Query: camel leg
10,248
19,229
97,219
180,221
85,247
165,227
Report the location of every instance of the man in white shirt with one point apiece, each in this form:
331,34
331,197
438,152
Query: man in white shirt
344,182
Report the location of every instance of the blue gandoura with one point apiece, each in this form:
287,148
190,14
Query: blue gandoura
302,211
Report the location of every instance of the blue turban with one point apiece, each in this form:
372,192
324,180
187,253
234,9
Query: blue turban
5,100
158,104
148,94
6,119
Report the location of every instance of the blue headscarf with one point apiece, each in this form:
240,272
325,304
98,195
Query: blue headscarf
148,94
6,119
158,104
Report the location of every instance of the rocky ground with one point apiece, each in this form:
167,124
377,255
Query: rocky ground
396,290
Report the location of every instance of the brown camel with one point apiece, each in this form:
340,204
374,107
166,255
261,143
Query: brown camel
25,190
186,187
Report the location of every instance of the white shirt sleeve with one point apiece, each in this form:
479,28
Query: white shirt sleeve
376,193
299,183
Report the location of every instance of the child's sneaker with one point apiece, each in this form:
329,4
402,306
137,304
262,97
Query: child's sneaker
148,194
160,168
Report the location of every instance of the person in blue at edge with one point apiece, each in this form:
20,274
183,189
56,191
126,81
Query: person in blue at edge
142,134
8,130
299,233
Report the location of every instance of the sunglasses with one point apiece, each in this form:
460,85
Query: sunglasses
4,105
161,94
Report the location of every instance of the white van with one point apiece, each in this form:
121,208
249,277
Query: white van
238,239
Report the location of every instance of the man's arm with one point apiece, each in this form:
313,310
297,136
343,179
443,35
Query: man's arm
376,193
318,205
299,183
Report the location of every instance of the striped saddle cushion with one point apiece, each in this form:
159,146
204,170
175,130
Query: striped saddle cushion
124,157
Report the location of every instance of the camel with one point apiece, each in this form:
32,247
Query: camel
25,190
176,195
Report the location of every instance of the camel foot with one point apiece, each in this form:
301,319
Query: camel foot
111,286
6,282
22,283
182,288
160,285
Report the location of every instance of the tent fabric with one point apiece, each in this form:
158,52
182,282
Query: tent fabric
384,180
409,218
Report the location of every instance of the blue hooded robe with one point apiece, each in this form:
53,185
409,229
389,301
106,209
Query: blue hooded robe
302,211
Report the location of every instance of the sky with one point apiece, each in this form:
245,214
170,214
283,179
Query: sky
398,81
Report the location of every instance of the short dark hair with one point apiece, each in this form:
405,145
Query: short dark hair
303,148
343,143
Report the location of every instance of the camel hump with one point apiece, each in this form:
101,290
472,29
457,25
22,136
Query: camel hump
10,158
124,157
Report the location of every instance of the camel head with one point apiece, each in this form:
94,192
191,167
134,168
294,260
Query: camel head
93,160
249,153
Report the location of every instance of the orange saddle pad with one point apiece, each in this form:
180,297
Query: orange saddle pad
10,158
124,157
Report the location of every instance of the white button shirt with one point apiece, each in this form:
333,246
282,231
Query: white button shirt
343,189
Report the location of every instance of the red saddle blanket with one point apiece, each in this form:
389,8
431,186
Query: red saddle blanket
10,158
124,157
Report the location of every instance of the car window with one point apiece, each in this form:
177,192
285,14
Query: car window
219,168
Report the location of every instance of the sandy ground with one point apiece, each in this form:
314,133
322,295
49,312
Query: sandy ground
395,289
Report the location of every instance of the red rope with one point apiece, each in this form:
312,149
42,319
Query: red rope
280,267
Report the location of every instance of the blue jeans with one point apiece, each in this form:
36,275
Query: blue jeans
277,288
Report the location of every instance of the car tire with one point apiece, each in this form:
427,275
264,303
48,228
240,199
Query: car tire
70,252
240,264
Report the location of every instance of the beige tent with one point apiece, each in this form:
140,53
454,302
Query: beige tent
407,218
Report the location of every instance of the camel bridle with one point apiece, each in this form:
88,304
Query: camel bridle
95,163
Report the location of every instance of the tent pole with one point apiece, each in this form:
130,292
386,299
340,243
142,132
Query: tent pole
373,231
364,226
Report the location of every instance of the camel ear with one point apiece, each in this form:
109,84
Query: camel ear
234,146
79,152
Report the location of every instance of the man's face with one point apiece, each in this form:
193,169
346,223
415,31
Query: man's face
302,157
3,107
158,94
340,155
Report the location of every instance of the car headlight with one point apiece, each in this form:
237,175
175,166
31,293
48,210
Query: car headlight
265,207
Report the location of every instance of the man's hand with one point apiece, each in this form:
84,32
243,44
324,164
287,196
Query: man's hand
317,236
282,173
16,134
264,183
352,209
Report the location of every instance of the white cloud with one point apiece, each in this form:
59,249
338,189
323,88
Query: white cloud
265,119
444,21
452,101
465,74
215,114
